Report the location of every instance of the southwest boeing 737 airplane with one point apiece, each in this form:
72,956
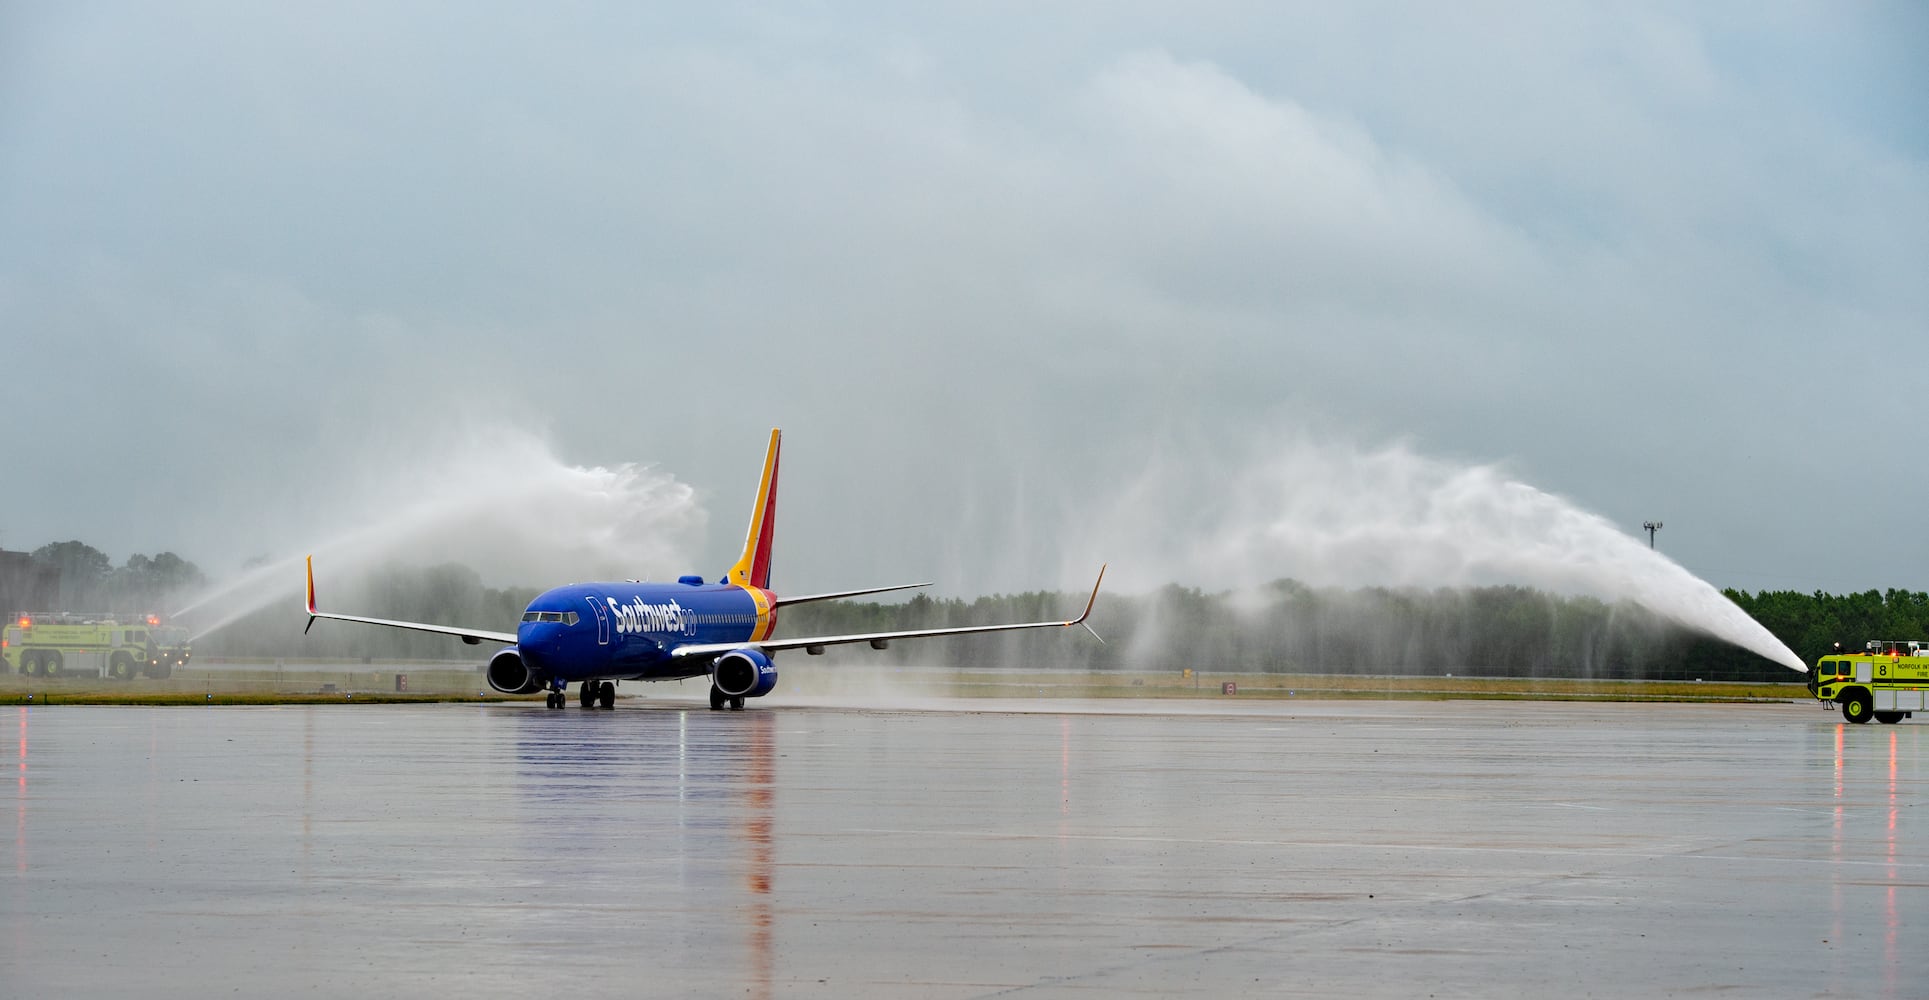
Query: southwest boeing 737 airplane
600,633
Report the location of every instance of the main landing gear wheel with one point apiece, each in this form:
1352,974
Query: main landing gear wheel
586,696
1858,707
716,698
606,694
1888,718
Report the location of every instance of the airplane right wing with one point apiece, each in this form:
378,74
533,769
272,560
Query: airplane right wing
879,640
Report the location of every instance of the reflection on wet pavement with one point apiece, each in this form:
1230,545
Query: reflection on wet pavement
1307,849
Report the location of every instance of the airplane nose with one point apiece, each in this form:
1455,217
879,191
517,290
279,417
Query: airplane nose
538,635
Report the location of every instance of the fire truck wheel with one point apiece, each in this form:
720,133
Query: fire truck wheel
122,667
1888,718
50,663
1857,707
30,664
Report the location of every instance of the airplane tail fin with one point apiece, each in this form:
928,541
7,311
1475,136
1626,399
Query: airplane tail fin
752,569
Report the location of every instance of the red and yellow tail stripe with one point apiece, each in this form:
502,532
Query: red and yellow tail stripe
753,567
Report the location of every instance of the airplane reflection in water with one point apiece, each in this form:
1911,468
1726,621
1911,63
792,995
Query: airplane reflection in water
599,633
705,796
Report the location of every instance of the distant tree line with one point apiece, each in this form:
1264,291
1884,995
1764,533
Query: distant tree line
1288,627
75,576
1285,626
1811,624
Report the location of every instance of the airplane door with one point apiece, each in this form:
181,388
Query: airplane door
602,619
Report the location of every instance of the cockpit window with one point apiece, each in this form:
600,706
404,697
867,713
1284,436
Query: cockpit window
566,617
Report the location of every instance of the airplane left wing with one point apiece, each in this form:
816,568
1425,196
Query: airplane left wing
471,636
878,640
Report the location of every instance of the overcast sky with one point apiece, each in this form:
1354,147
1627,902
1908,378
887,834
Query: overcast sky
981,263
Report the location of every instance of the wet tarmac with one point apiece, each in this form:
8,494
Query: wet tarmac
1455,849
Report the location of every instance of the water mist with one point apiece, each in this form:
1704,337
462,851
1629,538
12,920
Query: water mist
1334,515
510,509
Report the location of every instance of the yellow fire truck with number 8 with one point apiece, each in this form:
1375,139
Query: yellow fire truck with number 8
1887,683
52,644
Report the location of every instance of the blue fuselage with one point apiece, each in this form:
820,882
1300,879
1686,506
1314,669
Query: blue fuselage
627,631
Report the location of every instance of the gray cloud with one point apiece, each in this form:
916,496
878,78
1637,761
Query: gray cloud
1660,263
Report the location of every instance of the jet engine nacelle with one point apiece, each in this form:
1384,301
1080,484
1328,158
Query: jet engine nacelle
510,675
745,673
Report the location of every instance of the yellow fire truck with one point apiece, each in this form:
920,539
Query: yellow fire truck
1887,682
53,644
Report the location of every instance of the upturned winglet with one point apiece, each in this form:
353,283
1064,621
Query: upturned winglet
1080,620
311,596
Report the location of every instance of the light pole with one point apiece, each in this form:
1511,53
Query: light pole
1652,527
